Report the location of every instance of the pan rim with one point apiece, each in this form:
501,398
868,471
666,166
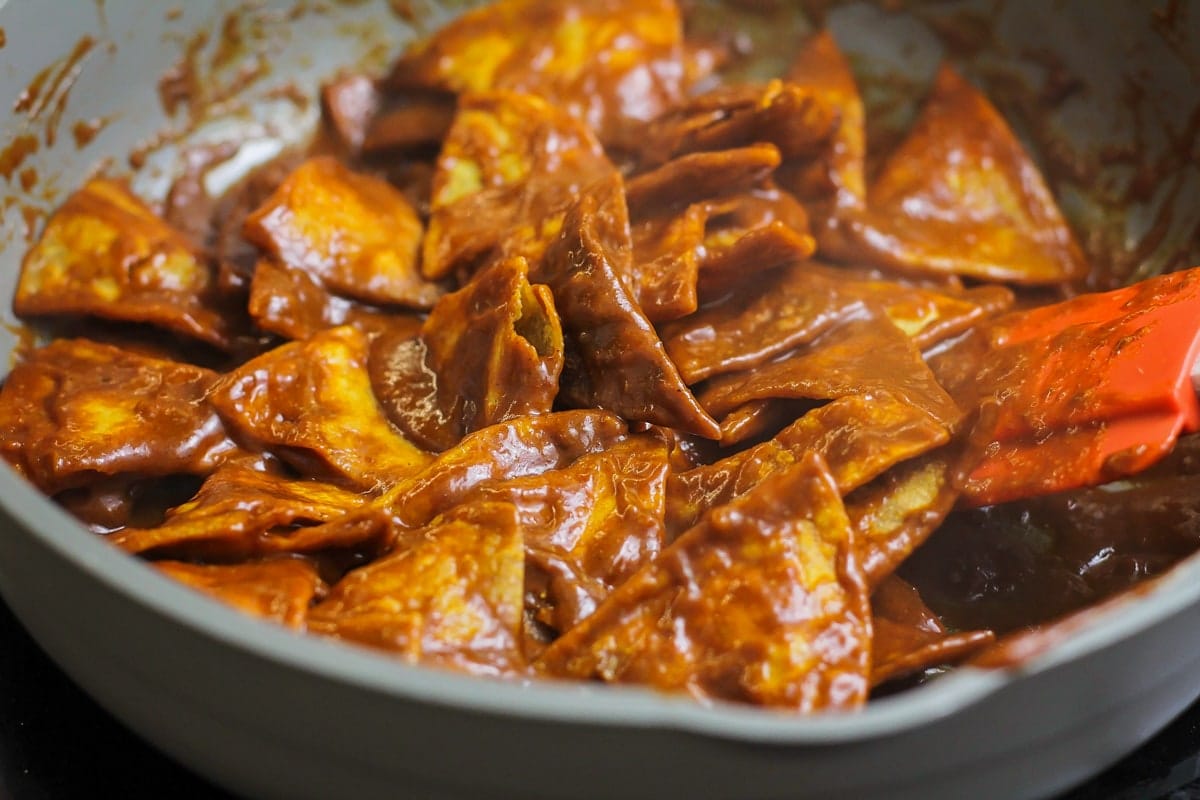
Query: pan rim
560,701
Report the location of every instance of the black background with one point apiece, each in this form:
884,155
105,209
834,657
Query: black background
56,743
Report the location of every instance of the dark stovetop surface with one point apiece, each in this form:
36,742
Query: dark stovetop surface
56,743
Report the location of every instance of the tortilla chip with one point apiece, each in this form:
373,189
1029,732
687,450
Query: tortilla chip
354,234
860,356
693,493
897,512
487,353
509,168
795,305
587,526
279,590
105,254
700,176
238,512
667,251
834,180
529,445
909,638
311,403
414,124
348,104
788,116
290,303
684,258
759,419
618,360
77,411
760,603
603,62
961,196
449,595
858,436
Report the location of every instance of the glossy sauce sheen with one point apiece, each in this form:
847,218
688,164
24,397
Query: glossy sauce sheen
560,356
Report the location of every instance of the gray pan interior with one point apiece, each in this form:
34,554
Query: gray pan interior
268,713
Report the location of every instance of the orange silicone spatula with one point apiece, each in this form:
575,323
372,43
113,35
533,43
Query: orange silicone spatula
1086,391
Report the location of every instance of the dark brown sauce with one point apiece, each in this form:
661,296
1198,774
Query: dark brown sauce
45,97
1170,22
178,84
212,76
32,93
47,94
1018,648
85,130
236,62
231,45
29,177
214,71
12,156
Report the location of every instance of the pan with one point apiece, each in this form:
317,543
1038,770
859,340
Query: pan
1103,91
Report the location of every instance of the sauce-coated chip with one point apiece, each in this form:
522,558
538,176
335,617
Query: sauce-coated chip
489,352
509,168
794,305
418,122
449,595
834,180
588,526
348,104
238,512
961,196
693,493
618,361
895,513
683,257
291,303
603,61
279,590
353,233
311,403
755,231
700,176
76,411
504,138
761,603
858,436
105,254
908,636
860,356
790,117
760,419
524,446
667,251
529,445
